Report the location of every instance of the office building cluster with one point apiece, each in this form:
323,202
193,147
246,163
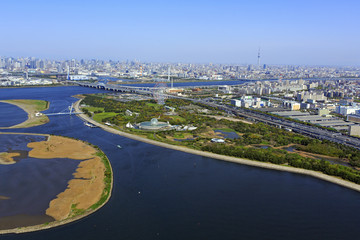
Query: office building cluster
143,70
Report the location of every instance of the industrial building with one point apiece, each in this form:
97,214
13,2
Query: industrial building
346,110
354,130
353,118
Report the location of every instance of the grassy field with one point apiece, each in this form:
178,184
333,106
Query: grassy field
154,105
225,129
100,116
93,109
177,118
31,107
37,105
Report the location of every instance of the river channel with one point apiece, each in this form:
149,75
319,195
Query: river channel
166,194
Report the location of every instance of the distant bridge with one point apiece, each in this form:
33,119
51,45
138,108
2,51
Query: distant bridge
130,89
115,87
67,111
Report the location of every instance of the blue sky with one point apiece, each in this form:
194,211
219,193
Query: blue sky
288,32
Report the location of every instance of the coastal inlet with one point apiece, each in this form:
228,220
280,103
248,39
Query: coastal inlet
47,179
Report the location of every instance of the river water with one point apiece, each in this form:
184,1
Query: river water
165,194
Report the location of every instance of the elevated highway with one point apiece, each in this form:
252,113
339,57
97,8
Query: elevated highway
248,114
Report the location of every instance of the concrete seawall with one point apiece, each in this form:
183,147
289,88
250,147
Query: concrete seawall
254,163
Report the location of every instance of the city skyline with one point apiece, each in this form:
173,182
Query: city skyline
296,33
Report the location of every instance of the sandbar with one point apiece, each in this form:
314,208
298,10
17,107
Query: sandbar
8,158
87,186
31,108
61,147
85,193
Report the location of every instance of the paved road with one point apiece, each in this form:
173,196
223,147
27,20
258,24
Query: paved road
304,129
251,115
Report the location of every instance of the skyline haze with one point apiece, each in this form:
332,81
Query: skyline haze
290,33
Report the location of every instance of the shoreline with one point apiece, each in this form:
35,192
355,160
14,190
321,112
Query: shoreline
58,223
31,118
319,175
34,86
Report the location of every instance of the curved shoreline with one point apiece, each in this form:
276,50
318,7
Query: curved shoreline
31,118
65,221
243,161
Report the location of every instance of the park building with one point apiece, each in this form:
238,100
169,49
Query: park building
154,124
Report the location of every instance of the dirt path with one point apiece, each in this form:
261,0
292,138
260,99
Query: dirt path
229,118
310,155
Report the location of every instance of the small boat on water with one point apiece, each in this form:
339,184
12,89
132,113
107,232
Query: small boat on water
119,146
89,125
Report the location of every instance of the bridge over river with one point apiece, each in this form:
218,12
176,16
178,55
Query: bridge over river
249,114
134,89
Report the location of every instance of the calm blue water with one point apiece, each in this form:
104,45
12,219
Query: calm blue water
31,183
231,135
166,194
9,111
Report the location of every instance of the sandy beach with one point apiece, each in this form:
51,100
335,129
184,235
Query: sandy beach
254,163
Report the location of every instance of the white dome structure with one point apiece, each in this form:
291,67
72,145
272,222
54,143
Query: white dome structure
154,124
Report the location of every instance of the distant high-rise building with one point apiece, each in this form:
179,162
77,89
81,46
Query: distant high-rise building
32,64
259,58
41,64
73,63
68,73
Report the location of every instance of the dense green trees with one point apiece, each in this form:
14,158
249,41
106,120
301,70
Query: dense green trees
277,156
252,134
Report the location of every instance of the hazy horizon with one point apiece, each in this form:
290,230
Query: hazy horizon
311,33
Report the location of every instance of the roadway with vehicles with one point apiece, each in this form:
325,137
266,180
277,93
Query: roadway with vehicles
251,115
304,129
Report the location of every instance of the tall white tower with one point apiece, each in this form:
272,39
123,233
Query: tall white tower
259,58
